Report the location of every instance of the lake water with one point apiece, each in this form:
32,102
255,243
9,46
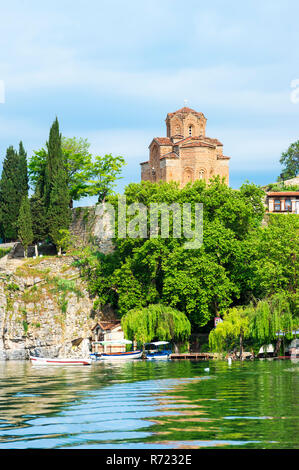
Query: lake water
162,405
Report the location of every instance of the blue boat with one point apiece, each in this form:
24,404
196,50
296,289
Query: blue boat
157,351
115,356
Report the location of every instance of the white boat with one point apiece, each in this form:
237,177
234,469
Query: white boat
122,356
48,361
116,356
154,353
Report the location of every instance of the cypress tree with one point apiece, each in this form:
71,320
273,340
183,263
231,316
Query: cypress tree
57,195
55,160
39,217
10,195
25,224
23,170
59,213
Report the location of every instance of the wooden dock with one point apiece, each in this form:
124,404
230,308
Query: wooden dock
194,356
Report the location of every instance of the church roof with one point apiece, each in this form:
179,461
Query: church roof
169,155
200,138
197,144
163,141
222,157
185,110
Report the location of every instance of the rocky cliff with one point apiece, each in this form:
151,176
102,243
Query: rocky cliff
45,308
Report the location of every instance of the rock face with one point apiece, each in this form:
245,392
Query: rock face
45,309
93,225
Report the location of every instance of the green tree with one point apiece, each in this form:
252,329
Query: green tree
197,284
85,177
158,322
234,329
105,171
201,283
271,316
272,256
37,171
78,161
10,195
55,161
39,217
25,225
59,213
290,162
23,170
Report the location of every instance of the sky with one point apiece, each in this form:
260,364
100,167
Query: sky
112,70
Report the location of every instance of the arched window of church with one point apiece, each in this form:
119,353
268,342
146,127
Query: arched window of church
201,174
190,130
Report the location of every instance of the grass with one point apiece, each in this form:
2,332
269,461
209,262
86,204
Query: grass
4,251
54,287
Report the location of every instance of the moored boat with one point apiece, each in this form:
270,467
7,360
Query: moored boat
155,353
121,356
116,356
49,361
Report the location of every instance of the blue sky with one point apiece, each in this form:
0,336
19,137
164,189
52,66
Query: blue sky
112,70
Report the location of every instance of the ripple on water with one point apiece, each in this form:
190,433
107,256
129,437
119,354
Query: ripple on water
142,405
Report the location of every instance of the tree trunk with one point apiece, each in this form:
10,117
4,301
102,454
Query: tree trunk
241,347
36,250
277,347
59,251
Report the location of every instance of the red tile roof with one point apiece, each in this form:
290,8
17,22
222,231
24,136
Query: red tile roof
283,193
169,155
184,110
107,325
197,144
202,139
223,157
213,141
163,141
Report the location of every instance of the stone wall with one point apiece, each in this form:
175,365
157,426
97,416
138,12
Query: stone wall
45,309
92,226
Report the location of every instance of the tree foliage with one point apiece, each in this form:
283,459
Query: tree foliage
13,187
290,162
233,329
201,282
86,176
156,322
258,323
105,171
25,232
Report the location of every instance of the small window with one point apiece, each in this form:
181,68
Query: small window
190,130
288,205
277,205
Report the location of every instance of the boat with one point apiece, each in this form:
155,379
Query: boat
115,356
155,353
49,361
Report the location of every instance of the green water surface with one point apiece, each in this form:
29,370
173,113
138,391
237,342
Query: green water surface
140,404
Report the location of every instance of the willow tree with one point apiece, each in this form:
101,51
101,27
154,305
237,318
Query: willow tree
234,328
271,316
156,322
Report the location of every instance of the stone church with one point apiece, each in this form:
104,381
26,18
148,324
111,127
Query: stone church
186,154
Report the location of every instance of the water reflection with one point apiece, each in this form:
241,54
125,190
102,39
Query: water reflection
150,405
